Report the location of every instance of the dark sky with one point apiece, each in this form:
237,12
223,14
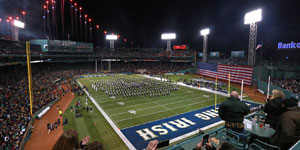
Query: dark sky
143,21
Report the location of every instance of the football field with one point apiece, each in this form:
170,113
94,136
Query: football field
128,112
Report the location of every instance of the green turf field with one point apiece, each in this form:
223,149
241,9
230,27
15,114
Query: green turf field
93,124
149,109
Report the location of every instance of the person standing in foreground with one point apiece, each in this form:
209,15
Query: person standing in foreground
288,125
274,108
233,111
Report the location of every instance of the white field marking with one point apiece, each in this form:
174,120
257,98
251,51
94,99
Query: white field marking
132,111
206,96
190,91
147,102
121,103
163,111
162,106
158,105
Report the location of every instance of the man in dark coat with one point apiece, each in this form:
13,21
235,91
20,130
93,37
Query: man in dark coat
232,111
288,126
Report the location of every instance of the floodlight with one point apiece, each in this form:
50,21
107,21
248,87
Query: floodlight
168,36
19,24
111,37
204,32
253,16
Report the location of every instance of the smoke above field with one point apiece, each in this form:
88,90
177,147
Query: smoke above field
14,8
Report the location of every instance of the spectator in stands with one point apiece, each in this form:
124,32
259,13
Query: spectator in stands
288,126
209,146
69,141
291,85
152,145
94,146
232,111
273,108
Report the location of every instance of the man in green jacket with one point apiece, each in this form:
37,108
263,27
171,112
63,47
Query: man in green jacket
232,111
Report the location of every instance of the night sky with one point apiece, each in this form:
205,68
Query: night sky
143,21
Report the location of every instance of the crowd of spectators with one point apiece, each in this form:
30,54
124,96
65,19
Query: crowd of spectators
291,85
146,67
14,97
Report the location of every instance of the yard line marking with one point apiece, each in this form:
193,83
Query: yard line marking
158,105
148,102
162,111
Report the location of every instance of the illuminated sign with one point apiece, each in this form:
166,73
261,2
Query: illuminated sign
184,47
168,36
291,45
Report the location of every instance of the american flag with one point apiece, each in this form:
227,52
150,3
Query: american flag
237,73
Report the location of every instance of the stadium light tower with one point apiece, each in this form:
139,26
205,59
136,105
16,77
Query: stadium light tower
204,33
17,24
112,39
168,37
251,18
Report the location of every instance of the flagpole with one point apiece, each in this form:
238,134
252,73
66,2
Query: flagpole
242,90
268,87
216,92
229,84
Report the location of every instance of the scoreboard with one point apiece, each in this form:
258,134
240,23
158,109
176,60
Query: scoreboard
180,47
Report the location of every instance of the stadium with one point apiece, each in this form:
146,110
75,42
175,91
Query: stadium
121,75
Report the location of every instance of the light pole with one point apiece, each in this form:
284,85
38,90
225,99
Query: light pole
44,19
90,22
85,30
251,18
80,29
24,13
76,29
71,13
111,39
168,37
204,33
17,24
97,39
48,18
0,26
